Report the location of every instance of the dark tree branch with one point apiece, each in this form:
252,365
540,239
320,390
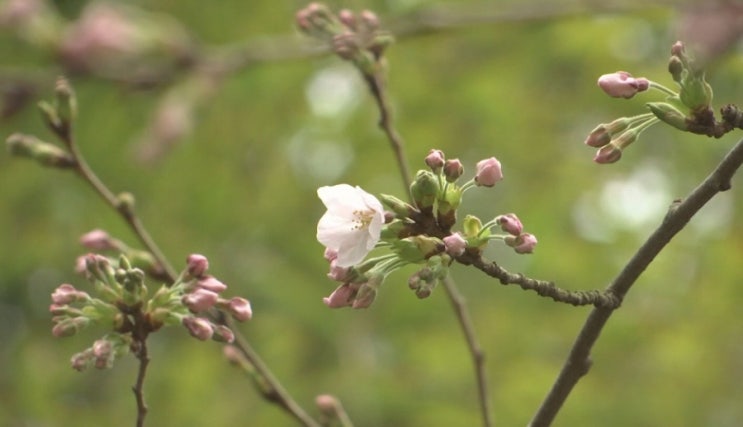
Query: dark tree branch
578,361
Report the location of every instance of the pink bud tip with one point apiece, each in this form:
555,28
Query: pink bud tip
240,309
622,85
455,244
341,297
198,327
200,300
197,265
609,153
435,160
211,284
510,223
97,240
488,172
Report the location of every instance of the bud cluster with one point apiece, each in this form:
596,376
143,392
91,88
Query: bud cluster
123,305
59,116
687,110
353,37
419,232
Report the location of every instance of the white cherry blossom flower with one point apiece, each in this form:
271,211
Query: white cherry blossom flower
352,224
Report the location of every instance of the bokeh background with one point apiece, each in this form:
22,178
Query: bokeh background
226,161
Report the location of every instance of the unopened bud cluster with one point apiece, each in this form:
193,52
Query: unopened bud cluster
687,110
59,116
122,304
353,37
414,233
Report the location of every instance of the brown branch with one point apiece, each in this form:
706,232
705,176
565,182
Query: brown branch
378,89
144,361
478,356
606,299
578,361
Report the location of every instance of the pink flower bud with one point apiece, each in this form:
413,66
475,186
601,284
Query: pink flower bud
622,85
330,254
327,404
69,326
67,294
365,296
80,360
455,244
510,223
609,153
598,137
239,308
338,273
223,334
453,169
97,240
233,354
198,327
435,160
348,18
200,300
197,265
211,284
522,244
102,348
488,172
370,20
341,297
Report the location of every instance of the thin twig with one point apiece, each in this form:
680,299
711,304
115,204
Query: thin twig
578,361
144,361
270,388
126,210
378,89
606,299
478,356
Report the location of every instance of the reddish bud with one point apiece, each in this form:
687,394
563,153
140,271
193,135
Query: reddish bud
197,265
200,300
341,297
239,308
435,160
211,284
510,223
198,327
522,244
97,240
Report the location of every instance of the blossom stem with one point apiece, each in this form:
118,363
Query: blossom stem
661,88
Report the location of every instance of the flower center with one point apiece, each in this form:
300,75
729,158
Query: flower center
362,219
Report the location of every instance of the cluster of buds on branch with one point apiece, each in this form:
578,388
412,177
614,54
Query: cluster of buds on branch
419,233
353,37
688,110
59,116
123,305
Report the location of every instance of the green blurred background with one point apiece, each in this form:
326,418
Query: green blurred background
515,80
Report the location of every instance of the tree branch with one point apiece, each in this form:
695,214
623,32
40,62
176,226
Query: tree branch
478,356
578,361
606,299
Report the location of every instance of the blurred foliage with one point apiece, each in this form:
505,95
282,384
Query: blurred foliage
240,188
